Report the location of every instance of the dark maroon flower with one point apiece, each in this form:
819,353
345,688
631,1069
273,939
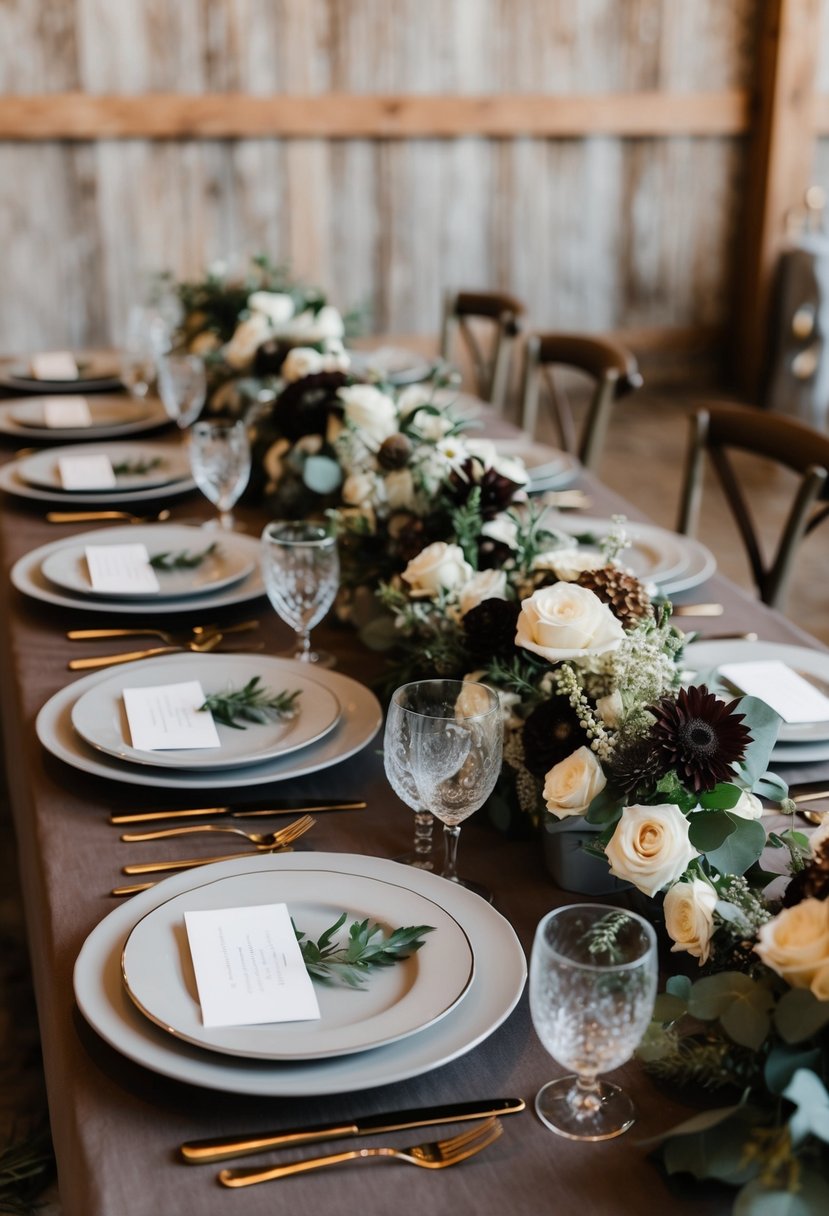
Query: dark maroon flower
551,732
700,736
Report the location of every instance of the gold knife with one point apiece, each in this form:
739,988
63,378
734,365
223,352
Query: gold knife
217,812
188,863
203,1152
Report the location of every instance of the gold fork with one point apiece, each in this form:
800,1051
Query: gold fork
133,656
83,517
200,632
436,1155
262,840
282,838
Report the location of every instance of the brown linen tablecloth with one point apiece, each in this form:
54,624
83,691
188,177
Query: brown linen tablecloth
116,1125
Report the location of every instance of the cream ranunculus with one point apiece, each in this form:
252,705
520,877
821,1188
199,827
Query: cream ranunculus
247,338
277,306
485,585
748,806
689,917
566,621
573,783
438,567
650,846
369,411
795,944
301,361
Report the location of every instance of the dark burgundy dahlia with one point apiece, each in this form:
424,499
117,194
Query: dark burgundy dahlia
490,629
551,732
700,736
497,491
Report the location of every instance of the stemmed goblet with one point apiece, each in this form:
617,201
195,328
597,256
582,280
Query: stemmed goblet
182,386
220,461
147,337
442,749
301,569
593,975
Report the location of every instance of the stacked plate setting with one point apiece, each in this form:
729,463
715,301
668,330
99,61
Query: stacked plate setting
664,560
152,472
111,416
98,371
134,981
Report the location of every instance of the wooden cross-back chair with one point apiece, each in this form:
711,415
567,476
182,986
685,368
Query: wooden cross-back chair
613,368
491,358
715,430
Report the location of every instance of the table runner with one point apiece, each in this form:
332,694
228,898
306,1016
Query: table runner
116,1126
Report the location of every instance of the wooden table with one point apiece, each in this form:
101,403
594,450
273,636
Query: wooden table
116,1126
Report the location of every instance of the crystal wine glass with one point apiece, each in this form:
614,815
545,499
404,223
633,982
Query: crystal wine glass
442,750
182,385
301,569
593,975
220,461
147,337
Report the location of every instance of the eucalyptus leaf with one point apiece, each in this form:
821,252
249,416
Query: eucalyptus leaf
668,1008
741,849
694,1126
717,1150
799,1015
771,786
679,985
606,807
809,1095
763,724
747,1022
783,1062
322,474
712,995
722,797
710,829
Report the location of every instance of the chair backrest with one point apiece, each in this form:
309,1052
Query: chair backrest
491,359
613,368
718,428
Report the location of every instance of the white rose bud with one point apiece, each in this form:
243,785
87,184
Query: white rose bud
795,944
650,847
277,306
485,585
369,411
438,567
689,917
573,783
301,361
748,806
566,621
247,338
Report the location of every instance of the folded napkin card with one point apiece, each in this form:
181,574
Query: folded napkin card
168,716
62,412
120,569
86,473
54,365
249,967
788,694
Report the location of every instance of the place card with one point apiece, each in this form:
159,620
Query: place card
86,473
54,365
120,569
249,967
64,412
164,717
788,694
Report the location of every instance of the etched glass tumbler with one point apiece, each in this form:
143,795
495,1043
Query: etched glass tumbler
182,386
220,461
593,975
301,569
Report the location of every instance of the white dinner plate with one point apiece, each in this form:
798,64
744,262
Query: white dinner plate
549,468
228,564
13,483
164,464
99,716
812,665
394,364
667,559
360,719
120,408
98,371
497,983
394,1002
28,577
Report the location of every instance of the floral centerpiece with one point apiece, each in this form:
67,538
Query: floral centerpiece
243,327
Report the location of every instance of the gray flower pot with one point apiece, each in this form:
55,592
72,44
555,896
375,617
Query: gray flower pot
571,868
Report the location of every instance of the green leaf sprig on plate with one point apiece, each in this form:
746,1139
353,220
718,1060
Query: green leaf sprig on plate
135,466
366,949
251,704
183,559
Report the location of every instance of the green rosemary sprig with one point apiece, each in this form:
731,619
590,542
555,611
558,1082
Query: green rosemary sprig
251,704
601,938
138,465
183,559
328,962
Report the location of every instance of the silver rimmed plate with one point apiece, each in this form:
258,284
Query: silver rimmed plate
394,364
161,463
99,717
228,564
497,983
28,577
120,409
671,561
812,665
360,719
13,483
549,468
98,371
394,1002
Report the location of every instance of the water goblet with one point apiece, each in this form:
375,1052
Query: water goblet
442,750
147,337
593,975
301,569
182,386
220,461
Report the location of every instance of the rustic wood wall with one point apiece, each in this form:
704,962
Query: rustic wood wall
600,232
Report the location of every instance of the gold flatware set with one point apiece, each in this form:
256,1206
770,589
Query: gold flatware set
88,517
204,639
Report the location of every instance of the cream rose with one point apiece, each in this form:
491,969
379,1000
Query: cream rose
277,306
485,585
748,806
247,338
566,621
438,567
820,984
689,917
369,411
573,783
301,361
795,944
650,846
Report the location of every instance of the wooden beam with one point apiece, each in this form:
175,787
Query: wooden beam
84,116
779,170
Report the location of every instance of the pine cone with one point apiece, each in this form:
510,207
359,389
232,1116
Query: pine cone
625,595
637,765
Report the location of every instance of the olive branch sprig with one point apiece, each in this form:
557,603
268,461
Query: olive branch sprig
366,949
183,559
251,704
